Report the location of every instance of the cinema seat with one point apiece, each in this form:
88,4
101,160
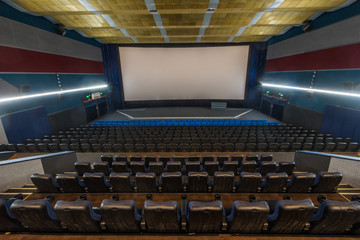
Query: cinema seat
121,158
326,182
194,157
137,166
121,182
353,147
248,166
156,167
287,167
193,166
36,216
211,167
135,158
231,166
267,167
120,216
146,182
237,157
162,217
329,146
171,182
266,157
107,158
149,158
96,182
198,182
174,166
274,182
70,183
64,147
252,157
335,217
273,147
8,221
83,167
78,216
221,158
291,216
248,182
45,183
248,217
208,157
164,158
300,183
102,167
223,182
120,167
205,216
180,158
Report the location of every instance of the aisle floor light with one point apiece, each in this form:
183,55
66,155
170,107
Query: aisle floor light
51,93
311,90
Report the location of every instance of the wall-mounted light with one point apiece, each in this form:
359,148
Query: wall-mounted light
311,90
51,93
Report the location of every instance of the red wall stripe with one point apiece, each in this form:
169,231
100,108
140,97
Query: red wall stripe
21,60
345,57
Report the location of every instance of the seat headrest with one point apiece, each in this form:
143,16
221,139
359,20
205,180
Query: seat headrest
82,163
248,162
304,175
139,163
231,163
119,175
291,204
286,163
198,174
156,163
268,163
250,174
224,174
330,174
101,163
123,204
73,205
276,175
154,205
171,174
192,163
145,175
120,163
94,175
200,206
67,176
174,163
211,163
251,206
42,176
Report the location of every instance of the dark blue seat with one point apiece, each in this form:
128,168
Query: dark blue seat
96,182
45,183
70,183
326,182
161,216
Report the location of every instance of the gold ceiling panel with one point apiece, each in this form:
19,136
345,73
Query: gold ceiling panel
109,20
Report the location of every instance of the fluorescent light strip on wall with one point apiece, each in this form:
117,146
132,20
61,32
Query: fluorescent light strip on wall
257,17
311,90
51,93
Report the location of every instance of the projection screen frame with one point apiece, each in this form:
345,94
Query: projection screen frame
185,102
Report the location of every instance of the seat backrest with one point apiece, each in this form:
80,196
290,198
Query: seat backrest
121,158
161,216
149,158
171,182
248,166
36,215
164,159
231,166
335,217
135,158
267,167
96,182
287,167
77,216
300,182
211,167
326,182
237,157
82,167
266,157
193,166
146,182
223,182
205,216
291,216
221,158
208,157
120,216
70,183
107,158
193,157
173,166
248,217
252,157
8,221
102,167
137,166
180,158
120,167
121,182
274,182
156,167
198,182
248,182
45,183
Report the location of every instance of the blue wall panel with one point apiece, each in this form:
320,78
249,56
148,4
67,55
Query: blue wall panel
31,123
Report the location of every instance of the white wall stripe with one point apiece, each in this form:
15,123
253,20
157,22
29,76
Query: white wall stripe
213,4
150,5
257,17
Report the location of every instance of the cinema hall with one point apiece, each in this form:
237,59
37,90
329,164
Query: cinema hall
179,119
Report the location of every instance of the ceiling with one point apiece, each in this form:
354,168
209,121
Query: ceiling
178,21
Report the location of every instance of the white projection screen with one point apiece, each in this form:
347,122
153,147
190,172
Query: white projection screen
155,73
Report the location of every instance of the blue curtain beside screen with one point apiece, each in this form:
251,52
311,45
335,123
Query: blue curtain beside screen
111,60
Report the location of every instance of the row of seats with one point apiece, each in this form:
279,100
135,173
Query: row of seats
190,166
222,122
195,182
182,147
195,216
